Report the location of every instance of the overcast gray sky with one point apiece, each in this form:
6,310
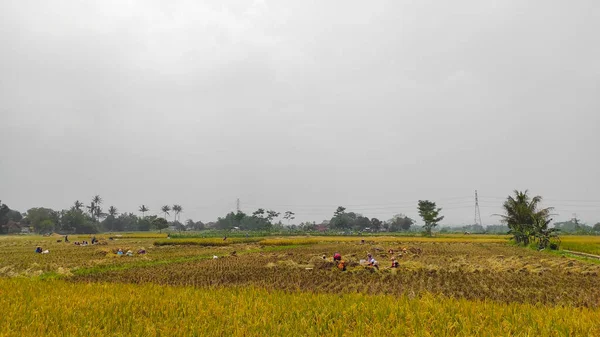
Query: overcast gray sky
300,105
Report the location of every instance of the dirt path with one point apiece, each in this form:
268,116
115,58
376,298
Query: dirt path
582,254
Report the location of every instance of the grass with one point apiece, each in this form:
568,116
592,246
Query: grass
55,307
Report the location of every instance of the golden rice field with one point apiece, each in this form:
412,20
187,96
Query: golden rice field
585,244
445,286
36,308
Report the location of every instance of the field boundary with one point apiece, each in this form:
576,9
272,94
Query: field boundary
582,254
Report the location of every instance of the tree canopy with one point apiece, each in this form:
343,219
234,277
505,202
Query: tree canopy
526,218
430,214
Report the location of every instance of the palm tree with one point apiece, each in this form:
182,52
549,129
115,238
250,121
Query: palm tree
524,216
97,200
112,211
99,213
165,209
92,209
144,209
177,209
78,205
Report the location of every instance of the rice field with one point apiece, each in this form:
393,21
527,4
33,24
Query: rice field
586,244
455,285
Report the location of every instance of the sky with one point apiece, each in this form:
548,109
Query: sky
301,105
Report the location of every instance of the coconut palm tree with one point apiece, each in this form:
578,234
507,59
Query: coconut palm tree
113,211
99,213
92,209
524,216
144,209
78,204
177,209
97,200
165,209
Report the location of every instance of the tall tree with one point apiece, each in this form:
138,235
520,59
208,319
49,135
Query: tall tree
113,211
289,215
77,205
92,210
177,209
165,210
259,213
97,200
339,211
99,213
144,209
272,215
430,215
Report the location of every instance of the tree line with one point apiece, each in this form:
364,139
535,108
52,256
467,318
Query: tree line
523,218
82,219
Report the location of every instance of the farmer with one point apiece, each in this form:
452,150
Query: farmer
342,265
66,238
395,263
372,262
38,250
337,257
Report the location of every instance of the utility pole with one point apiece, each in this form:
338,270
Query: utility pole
477,211
238,205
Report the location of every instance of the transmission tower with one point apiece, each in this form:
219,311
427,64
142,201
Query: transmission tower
237,205
477,211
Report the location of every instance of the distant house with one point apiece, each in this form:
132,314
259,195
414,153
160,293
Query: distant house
322,227
172,228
